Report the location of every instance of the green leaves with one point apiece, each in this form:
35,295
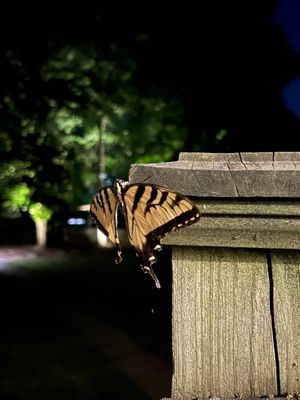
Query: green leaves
51,148
39,211
17,199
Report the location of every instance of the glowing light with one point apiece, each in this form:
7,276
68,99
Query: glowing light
76,221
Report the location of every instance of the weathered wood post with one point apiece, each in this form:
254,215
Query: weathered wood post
236,274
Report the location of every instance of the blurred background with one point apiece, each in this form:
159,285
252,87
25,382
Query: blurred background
86,90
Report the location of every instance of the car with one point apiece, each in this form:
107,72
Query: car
80,231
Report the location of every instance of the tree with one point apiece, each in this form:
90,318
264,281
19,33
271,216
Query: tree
18,200
85,99
101,105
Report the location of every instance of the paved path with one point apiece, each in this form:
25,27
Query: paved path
11,254
79,302
149,372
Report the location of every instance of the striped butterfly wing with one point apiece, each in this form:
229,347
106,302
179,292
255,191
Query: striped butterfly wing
104,211
152,212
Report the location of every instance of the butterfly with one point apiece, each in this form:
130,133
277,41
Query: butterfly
150,212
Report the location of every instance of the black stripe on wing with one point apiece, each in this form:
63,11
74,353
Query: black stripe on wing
107,200
153,239
148,255
95,219
138,195
103,209
153,196
187,218
173,210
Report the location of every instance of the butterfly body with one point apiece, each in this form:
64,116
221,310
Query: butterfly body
150,212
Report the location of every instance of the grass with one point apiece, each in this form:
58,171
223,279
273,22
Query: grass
53,316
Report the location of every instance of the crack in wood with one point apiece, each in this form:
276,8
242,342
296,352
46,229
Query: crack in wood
240,156
195,176
160,177
272,312
234,182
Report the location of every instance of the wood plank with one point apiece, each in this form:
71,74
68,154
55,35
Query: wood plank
249,207
288,155
222,333
208,157
236,157
286,276
228,398
239,231
162,174
226,175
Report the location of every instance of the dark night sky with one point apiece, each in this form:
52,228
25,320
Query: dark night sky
288,15
224,59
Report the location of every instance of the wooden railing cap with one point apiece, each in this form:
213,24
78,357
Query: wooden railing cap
222,175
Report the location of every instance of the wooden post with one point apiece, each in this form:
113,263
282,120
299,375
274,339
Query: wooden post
236,274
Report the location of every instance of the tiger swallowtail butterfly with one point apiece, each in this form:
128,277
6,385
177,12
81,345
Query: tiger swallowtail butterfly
150,212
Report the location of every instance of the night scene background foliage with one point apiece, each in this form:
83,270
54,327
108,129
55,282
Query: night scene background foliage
87,89
150,78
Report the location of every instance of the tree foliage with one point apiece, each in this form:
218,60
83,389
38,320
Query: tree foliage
53,149
150,70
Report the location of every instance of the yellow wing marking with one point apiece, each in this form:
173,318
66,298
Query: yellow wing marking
104,212
151,212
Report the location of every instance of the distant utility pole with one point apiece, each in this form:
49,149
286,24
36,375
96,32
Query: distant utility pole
101,238
101,171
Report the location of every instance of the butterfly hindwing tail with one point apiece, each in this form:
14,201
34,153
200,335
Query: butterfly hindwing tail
151,213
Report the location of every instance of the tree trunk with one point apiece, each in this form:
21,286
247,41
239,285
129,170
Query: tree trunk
41,232
101,171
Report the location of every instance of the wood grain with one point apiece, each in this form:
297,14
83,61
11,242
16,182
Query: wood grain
286,276
226,175
239,231
236,310
271,224
222,334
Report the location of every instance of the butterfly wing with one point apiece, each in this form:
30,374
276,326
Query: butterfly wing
151,212
104,211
